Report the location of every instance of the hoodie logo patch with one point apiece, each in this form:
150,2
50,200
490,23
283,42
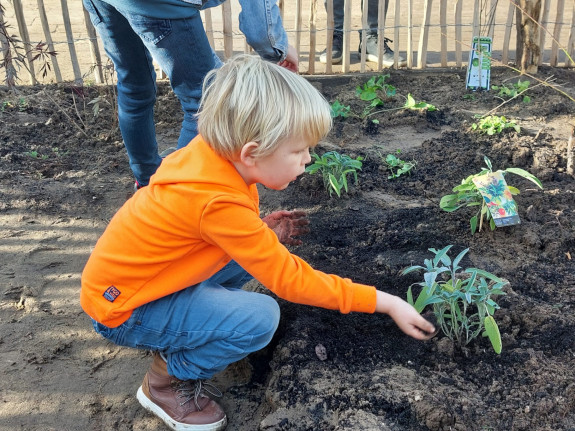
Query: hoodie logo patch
111,293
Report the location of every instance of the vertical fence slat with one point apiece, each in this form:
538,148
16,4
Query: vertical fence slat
70,38
443,27
409,34
346,35
364,14
49,42
23,29
228,33
298,10
208,25
544,21
476,26
94,49
396,24
570,48
329,36
423,36
8,63
556,33
380,33
312,34
458,33
507,35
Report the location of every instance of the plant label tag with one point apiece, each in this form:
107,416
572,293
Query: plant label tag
498,198
479,66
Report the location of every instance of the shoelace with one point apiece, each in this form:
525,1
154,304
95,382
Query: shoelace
185,390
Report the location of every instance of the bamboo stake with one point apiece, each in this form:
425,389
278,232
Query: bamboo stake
70,38
556,33
396,24
380,33
298,9
228,33
94,49
346,35
423,36
364,14
312,34
545,6
443,26
49,42
409,34
458,33
507,36
571,43
329,37
207,13
19,12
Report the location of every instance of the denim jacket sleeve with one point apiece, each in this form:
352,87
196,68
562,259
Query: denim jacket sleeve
261,23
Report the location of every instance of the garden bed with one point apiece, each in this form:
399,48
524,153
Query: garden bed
63,174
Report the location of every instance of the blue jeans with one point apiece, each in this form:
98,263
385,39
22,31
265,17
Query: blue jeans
372,15
203,328
181,49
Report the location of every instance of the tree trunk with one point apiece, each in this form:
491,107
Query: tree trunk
528,49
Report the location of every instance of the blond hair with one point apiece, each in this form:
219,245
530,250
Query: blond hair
252,100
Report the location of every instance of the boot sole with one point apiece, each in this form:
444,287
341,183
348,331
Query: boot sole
173,424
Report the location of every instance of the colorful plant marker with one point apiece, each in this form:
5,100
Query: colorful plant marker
498,198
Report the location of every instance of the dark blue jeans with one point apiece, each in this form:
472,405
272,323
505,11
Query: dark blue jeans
204,328
181,49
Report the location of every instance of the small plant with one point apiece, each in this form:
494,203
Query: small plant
375,91
467,194
494,124
35,155
339,110
397,166
410,103
334,168
514,90
462,301
470,96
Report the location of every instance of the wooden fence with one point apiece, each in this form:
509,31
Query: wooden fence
427,33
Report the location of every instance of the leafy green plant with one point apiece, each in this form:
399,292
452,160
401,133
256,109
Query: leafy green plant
461,300
396,165
36,155
340,110
467,194
513,90
494,124
410,103
375,91
334,168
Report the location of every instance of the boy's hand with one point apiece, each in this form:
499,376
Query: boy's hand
287,224
405,316
291,62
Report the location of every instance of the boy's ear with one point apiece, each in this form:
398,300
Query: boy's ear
247,156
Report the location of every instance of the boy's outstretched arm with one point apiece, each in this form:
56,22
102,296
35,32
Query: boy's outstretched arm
287,224
404,315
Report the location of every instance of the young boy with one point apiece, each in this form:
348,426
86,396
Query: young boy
167,273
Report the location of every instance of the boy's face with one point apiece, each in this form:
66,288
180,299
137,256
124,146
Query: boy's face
284,165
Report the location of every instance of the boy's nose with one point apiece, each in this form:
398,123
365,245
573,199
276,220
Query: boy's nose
307,158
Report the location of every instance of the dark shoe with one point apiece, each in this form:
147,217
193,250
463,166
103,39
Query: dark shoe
371,52
182,405
336,50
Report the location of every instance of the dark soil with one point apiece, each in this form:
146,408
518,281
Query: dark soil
64,172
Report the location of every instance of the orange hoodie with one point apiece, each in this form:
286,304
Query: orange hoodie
196,215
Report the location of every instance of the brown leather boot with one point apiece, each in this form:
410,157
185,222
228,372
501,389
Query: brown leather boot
182,405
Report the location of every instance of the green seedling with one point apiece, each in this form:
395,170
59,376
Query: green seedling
410,103
494,124
397,166
514,90
461,300
375,91
334,168
36,155
467,195
470,96
339,110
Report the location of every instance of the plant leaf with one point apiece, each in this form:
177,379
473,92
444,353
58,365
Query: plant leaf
492,331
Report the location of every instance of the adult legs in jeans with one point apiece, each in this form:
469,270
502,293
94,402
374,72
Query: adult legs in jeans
372,14
181,49
204,328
